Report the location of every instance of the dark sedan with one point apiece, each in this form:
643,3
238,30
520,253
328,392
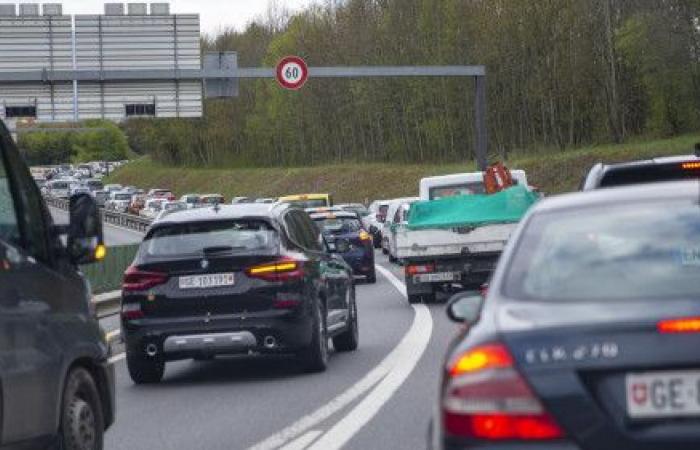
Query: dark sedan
588,336
235,280
345,232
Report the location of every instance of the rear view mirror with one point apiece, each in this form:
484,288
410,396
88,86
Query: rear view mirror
85,238
465,307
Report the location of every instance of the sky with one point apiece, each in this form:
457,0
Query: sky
214,14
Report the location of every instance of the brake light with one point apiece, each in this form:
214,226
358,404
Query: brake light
487,398
138,280
282,270
677,326
365,236
691,166
419,269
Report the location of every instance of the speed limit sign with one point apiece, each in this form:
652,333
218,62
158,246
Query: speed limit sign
292,72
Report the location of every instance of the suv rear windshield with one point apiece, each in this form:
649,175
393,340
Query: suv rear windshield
635,251
242,237
339,225
650,174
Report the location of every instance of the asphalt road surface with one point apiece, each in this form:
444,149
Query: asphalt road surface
379,397
114,236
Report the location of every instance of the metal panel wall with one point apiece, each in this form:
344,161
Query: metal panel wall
102,43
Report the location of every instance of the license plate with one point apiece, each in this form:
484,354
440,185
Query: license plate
436,277
655,395
207,281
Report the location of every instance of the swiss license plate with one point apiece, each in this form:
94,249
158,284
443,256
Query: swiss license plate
436,277
207,281
655,395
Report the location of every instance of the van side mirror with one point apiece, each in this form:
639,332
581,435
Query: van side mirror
85,238
465,307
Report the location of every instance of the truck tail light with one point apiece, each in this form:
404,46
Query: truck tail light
139,280
417,269
486,398
284,269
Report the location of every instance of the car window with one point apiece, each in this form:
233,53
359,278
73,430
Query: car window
9,228
237,237
638,251
339,225
309,232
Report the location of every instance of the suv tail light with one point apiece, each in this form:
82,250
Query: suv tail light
132,311
284,269
486,398
419,269
138,280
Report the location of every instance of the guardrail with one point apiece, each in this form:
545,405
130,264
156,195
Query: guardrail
130,221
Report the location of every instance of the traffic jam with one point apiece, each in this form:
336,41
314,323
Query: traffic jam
579,325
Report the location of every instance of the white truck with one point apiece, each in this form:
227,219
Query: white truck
456,258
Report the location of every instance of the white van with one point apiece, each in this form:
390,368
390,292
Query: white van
435,188
60,189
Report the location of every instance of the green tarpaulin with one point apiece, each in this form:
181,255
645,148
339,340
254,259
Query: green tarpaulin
472,210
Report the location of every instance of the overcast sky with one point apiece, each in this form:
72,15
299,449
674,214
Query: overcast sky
215,14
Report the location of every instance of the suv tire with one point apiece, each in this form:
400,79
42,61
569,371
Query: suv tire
144,370
349,340
82,421
315,357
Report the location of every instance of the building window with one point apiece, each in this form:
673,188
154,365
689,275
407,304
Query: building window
20,111
141,109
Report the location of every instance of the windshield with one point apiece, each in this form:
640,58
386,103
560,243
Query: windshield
436,193
61,186
640,251
308,204
122,197
236,237
339,225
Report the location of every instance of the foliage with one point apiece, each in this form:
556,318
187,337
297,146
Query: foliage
561,73
97,140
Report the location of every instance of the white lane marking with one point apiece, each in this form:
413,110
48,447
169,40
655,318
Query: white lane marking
304,441
411,352
112,335
115,359
393,280
408,345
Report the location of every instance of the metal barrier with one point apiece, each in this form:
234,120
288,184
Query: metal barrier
130,221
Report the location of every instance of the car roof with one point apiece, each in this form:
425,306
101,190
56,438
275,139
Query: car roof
226,212
673,190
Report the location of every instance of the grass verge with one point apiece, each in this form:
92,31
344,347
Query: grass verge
553,171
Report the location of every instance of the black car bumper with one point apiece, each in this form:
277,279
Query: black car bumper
182,338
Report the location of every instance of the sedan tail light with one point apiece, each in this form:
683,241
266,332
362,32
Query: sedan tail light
486,398
284,269
138,280
680,326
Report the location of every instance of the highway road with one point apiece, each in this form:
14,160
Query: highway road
379,397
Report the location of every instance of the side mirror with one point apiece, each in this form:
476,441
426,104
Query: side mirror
342,246
85,238
465,307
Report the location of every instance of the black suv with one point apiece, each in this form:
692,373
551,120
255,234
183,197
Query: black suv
235,280
56,384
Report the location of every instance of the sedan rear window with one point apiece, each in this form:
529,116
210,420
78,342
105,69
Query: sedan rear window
635,251
339,225
198,239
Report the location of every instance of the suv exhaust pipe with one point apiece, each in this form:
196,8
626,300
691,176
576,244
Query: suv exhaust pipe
270,342
151,350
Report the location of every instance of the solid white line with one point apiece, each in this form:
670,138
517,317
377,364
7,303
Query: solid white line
304,441
397,357
393,280
411,351
115,359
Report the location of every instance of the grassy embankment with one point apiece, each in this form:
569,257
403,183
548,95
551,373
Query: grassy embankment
553,171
